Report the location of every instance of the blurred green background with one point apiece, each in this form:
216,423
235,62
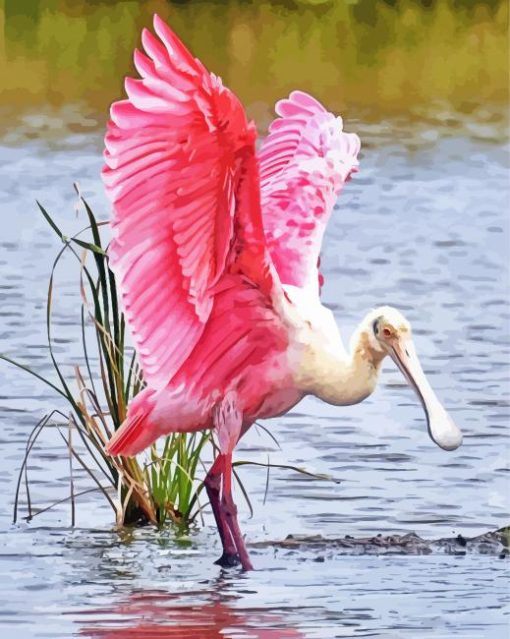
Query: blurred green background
381,56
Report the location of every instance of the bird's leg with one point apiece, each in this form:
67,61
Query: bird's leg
228,422
230,510
212,485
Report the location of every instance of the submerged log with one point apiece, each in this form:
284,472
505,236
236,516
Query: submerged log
490,543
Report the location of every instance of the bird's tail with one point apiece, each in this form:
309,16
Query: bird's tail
136,432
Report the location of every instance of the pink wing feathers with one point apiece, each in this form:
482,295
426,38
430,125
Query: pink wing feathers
304,162
182,174
189,249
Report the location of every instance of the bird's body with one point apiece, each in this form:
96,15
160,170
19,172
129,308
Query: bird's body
216,251
310,359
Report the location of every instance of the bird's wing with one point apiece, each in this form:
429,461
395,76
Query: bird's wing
304,162
182,173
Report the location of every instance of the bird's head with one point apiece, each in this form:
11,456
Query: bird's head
390,334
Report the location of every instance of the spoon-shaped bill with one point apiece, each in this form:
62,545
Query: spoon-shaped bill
442,428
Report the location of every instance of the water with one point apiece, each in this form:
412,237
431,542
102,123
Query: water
424,227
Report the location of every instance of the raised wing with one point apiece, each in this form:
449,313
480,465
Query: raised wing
182,173
304,163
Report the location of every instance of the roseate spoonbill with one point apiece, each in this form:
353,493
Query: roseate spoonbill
216,251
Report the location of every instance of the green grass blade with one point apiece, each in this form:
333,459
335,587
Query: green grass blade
50,221
297,469
87,245
167,486
88,470
86,350
34,434
63,501
29,370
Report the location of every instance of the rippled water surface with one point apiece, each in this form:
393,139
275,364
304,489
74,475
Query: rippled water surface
424,227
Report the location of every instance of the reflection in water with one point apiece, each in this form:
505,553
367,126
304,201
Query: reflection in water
152,614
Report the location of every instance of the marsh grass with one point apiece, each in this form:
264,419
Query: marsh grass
161,489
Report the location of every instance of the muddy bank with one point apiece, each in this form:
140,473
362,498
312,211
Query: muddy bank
490,543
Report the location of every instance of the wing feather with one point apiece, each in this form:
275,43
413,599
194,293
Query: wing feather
304,163
180,169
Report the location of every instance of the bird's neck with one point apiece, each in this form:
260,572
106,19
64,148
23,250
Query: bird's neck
344,378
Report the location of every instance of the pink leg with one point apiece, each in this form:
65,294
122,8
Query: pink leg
228,422
212,485
230,510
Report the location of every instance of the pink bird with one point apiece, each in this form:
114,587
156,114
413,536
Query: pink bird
216,251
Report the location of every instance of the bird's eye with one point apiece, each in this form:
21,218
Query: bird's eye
386,332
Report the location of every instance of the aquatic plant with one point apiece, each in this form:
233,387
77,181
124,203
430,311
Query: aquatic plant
165,487
161,489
